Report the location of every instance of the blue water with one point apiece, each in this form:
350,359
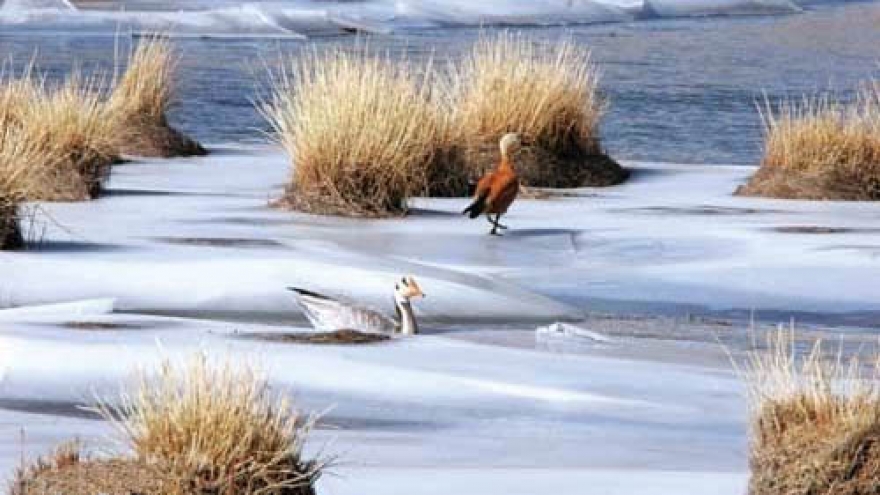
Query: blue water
678,90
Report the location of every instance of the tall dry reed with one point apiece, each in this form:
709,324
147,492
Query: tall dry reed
820,148
217,427
141,99
545,92
63,133
365,134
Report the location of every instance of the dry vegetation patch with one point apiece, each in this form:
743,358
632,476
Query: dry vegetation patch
364,133
545,92
815,422
195,428
141,99
217,429
59,136
77,137
821,149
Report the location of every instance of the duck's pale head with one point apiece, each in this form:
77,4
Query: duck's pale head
407,288
510,143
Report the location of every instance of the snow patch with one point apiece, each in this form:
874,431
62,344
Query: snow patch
43,312
568,331
25,5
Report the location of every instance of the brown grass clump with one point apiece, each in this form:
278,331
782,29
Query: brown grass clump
75,134
546,93
59,137
815,423
821,149
141,99
364,134
217,430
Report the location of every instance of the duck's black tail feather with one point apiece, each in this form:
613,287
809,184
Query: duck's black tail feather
476,208
304,292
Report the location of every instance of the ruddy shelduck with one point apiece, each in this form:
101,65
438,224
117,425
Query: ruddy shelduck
497,189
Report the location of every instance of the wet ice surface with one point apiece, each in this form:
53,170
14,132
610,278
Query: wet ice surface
436,407
193,258
201,237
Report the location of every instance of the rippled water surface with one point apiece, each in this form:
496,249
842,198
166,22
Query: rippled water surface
678,90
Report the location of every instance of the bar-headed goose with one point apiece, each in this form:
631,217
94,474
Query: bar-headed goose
327,314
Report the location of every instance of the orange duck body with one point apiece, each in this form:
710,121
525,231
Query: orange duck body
497,189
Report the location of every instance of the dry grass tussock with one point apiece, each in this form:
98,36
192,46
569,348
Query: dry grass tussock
61,134
141,99
216,429
815,422
364,133
545,92
820,148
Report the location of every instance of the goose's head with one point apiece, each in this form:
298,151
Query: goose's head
406,289
510,143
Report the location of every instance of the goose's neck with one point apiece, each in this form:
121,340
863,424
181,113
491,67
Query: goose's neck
408,324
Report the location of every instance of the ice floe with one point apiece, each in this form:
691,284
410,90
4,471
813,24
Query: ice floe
302,18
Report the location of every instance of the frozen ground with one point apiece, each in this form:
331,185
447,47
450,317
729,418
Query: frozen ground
196,236
194,259
415,416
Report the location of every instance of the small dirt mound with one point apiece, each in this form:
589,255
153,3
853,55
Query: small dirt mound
110,477
10,234
99,326
814,229
831,184
338,337
221,242
541,167
150,138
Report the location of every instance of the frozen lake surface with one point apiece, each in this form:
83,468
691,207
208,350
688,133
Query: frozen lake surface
185,255
196,236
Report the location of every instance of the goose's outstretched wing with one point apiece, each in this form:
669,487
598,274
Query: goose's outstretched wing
328,315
